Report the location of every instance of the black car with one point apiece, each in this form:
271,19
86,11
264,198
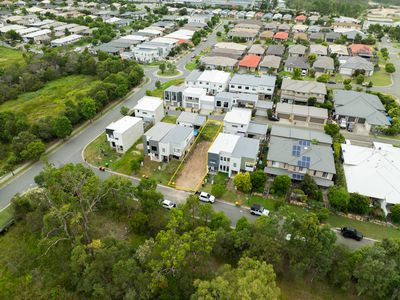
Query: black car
331,82
351,233
273,118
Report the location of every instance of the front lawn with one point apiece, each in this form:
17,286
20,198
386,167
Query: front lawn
190,66
9,57
160,92
167,73
170,119
50,100
380,78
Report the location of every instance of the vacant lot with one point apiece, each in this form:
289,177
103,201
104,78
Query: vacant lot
160,92
50,100
10,57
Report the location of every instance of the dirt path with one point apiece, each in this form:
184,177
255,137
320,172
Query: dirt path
194,167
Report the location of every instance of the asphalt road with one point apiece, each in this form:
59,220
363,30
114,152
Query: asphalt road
70,151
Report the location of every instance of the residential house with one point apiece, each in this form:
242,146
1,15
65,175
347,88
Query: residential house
284,28
319,50
297,50
287,17
298,153
261,85
199,18
232,154
300,36
373,172
150,109
299,28
341,51
317,36
346,25
124,133
249,35
249,63
270,64
277,50
146,53
173,95
331,37
366,111
295,62
197,98
219,62
227,100
191,120
300,18
273,26
213,81
302,114
37,37
314,29
361,50
266,35
324,64
281,36
256,49
356,63
165,141
299,91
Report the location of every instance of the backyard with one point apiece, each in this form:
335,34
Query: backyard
50,100
9,57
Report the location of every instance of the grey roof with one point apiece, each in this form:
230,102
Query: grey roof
296,62
319,49
177,134
158,131
361,105
321,156
254,80
318,180
264,104
194,75
324,62
231,53
317,36
352,34
297,49
358,63
257,128
219,61
175,88
192,118
256,49
332,35
246,147
301,134
271,61
239,96
303,86
275,50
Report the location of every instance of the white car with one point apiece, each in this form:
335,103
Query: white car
343,123
206,197
168,204
259,210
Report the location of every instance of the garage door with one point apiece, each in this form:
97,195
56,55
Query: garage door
283,116
207,106
317,120
300,118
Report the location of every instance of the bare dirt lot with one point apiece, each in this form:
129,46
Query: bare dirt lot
194,167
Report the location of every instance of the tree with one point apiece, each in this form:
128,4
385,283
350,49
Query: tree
158,84
311,59
162,67
88,108
148,196
62,127
33,150
218,190
252,279
124,110
310,188
359,204
281,185
338,198
296,73
332,129
258,179
360,79
395,213
390,68
323,78
348,87
242,182
312,101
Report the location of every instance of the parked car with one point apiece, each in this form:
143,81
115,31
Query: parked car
206,197
350,126
274,118
303,73
331,82
168,204
343,123
351,233
258,210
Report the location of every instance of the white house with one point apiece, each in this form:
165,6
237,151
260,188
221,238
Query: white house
146,53
150,109
199,18
65,40
238,122
213,81
124,133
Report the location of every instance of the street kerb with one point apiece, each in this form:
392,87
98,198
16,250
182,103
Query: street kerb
172,182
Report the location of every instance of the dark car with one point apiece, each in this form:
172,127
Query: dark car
351,233
273,118
331,82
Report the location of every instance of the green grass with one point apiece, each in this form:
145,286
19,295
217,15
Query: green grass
380,78
5,216
160,92
168,73
10,57
100,153
50,100
158,171
169,119
209,131
368,229
191,65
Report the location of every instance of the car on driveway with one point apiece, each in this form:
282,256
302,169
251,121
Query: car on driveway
168,204
206,197
274,118
351,233
343,123
258,210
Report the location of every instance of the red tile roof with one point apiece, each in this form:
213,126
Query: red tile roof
281,35
250,61
357,48
301,18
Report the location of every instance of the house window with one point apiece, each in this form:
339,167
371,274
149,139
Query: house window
247,88
219,103
226,104
275,164
163,150
325,174
234,165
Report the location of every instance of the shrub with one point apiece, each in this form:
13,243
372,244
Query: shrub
242,182
281,184
395,213
359,204
377,213
136,163
390,68
347,81
348,87
218,190
338,198
258,179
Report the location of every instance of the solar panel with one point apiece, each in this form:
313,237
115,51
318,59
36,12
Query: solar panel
304,143
296,150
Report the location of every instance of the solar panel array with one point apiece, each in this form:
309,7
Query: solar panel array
296,150
297,177
304,143
304,162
